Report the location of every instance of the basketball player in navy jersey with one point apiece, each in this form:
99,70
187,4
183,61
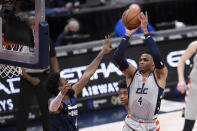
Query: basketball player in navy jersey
145,85
62,107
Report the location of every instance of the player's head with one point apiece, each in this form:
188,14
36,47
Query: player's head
55,84
146,63
123,92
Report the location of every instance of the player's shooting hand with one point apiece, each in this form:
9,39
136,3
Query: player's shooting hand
129,33
106,45
181,86
144,21
65,88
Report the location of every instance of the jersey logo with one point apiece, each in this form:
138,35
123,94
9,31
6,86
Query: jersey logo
142,90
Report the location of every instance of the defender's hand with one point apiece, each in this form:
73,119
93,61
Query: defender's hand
106,45
181,86
66,87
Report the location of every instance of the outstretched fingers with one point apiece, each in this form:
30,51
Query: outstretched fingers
146,15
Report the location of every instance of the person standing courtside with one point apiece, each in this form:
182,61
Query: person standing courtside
145,85
191,94
32,84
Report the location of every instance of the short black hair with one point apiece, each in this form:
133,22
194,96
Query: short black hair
53,82
122,84
146,52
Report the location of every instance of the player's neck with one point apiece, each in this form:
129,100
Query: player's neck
145,74
126,107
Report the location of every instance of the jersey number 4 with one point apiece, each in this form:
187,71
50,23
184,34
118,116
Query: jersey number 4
140,100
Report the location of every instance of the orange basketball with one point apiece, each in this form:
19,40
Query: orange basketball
130,18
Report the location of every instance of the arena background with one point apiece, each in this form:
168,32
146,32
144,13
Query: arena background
101,91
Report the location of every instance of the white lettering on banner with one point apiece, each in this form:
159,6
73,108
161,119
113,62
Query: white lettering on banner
174,56
4,118
31,116
110,88
100,89
95,90
5,89
6,105
12,89
69,73
106,71
2,103
74,74
97,102
10,104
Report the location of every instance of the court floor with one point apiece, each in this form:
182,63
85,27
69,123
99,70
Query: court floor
168,122
113,119
170,119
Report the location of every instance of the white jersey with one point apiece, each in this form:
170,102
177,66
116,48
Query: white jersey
144,97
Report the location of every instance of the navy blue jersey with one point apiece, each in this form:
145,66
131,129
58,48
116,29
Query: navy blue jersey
66,119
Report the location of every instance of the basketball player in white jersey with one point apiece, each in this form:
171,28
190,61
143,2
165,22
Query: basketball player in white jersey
145,85
191,93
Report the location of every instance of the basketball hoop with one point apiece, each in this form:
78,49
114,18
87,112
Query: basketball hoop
9,70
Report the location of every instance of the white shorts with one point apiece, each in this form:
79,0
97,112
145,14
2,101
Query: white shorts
132,125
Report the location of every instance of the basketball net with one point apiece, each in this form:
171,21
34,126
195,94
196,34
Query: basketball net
9,70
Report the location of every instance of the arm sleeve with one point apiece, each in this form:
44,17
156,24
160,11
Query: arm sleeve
119,54
159,63
55,103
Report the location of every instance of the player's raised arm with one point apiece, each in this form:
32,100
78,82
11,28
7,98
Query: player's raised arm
190,51
160,69
93,66
120,59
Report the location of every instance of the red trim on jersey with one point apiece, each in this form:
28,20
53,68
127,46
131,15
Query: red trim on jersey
157,122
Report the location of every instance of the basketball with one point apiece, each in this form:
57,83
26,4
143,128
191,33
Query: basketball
130,18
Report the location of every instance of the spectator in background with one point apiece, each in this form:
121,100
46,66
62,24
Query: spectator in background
26,5
119,30
71,29
32,84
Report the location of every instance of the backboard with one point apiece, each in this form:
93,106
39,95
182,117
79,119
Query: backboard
35,57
